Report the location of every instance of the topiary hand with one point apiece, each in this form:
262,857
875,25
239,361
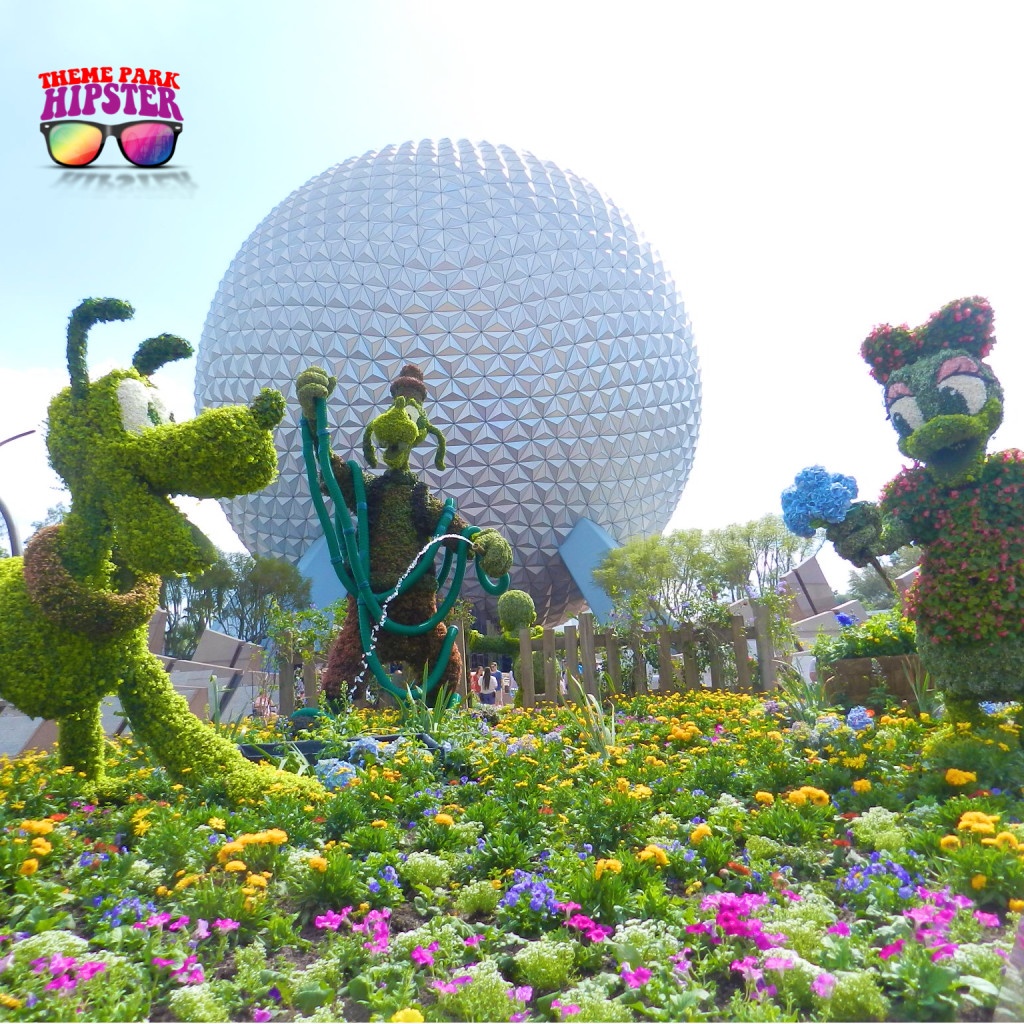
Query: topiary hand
858,538
312,384
494,552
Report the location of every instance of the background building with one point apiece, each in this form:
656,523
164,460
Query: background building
558,356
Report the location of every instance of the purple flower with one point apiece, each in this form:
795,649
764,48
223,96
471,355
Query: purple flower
202,929
823,985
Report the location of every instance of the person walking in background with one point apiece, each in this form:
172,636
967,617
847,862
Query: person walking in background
487,687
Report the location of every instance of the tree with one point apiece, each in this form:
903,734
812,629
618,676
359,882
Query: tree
866,586
658,579
758,553
236,595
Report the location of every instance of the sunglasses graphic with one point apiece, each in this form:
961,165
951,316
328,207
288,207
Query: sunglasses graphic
78,143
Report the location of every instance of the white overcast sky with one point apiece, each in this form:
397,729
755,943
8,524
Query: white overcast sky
806,170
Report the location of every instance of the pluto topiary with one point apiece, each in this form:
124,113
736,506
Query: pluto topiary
962,507
385,558
74,610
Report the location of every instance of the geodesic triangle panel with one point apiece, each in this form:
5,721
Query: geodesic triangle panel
558,357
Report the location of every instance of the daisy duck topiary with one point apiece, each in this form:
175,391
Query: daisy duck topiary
385,557
74,610
963,507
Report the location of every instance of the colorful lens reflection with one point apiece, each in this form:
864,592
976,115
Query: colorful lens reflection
75,144
148,145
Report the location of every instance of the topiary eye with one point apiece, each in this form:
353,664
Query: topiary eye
962,393
141,406
906,415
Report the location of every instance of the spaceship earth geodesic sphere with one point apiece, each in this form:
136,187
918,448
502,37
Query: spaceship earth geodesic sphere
558,357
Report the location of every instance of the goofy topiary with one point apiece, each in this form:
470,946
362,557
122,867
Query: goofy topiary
385,559
74,610
964,508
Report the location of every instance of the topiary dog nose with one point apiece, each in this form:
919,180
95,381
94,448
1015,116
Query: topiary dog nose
267,408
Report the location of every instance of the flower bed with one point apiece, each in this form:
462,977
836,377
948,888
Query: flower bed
715,862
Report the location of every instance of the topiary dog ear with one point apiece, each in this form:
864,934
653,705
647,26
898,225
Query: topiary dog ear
155,352
83,316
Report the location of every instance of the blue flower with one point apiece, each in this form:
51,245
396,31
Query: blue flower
335,773
816,496
858,718
845,620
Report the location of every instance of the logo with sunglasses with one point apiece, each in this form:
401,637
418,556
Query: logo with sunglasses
73,143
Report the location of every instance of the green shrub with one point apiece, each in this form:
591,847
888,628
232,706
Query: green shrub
882,635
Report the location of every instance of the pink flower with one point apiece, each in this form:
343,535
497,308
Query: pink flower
260,1015
60,982
986,920
177,924
891,950
823,985
637,978
777,963
424,957
333,919
225,924
839,928
202,929
89,969
473,940
565,1009
522,994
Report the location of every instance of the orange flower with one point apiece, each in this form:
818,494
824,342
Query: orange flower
702,831
29,867
444,819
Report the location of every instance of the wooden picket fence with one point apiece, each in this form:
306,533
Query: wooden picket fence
677,658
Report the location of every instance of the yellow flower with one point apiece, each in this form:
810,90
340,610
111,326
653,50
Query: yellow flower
1004,841
640,792
1016,906
9,1002
444,819
217,824
40,846
655,853
977,821
256,880
318,864
797,798
702,831
29,867
235,865
407,1016
37,828
228,851
949,843
611,865
862,786
185,882
955,777
764,798
979,882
